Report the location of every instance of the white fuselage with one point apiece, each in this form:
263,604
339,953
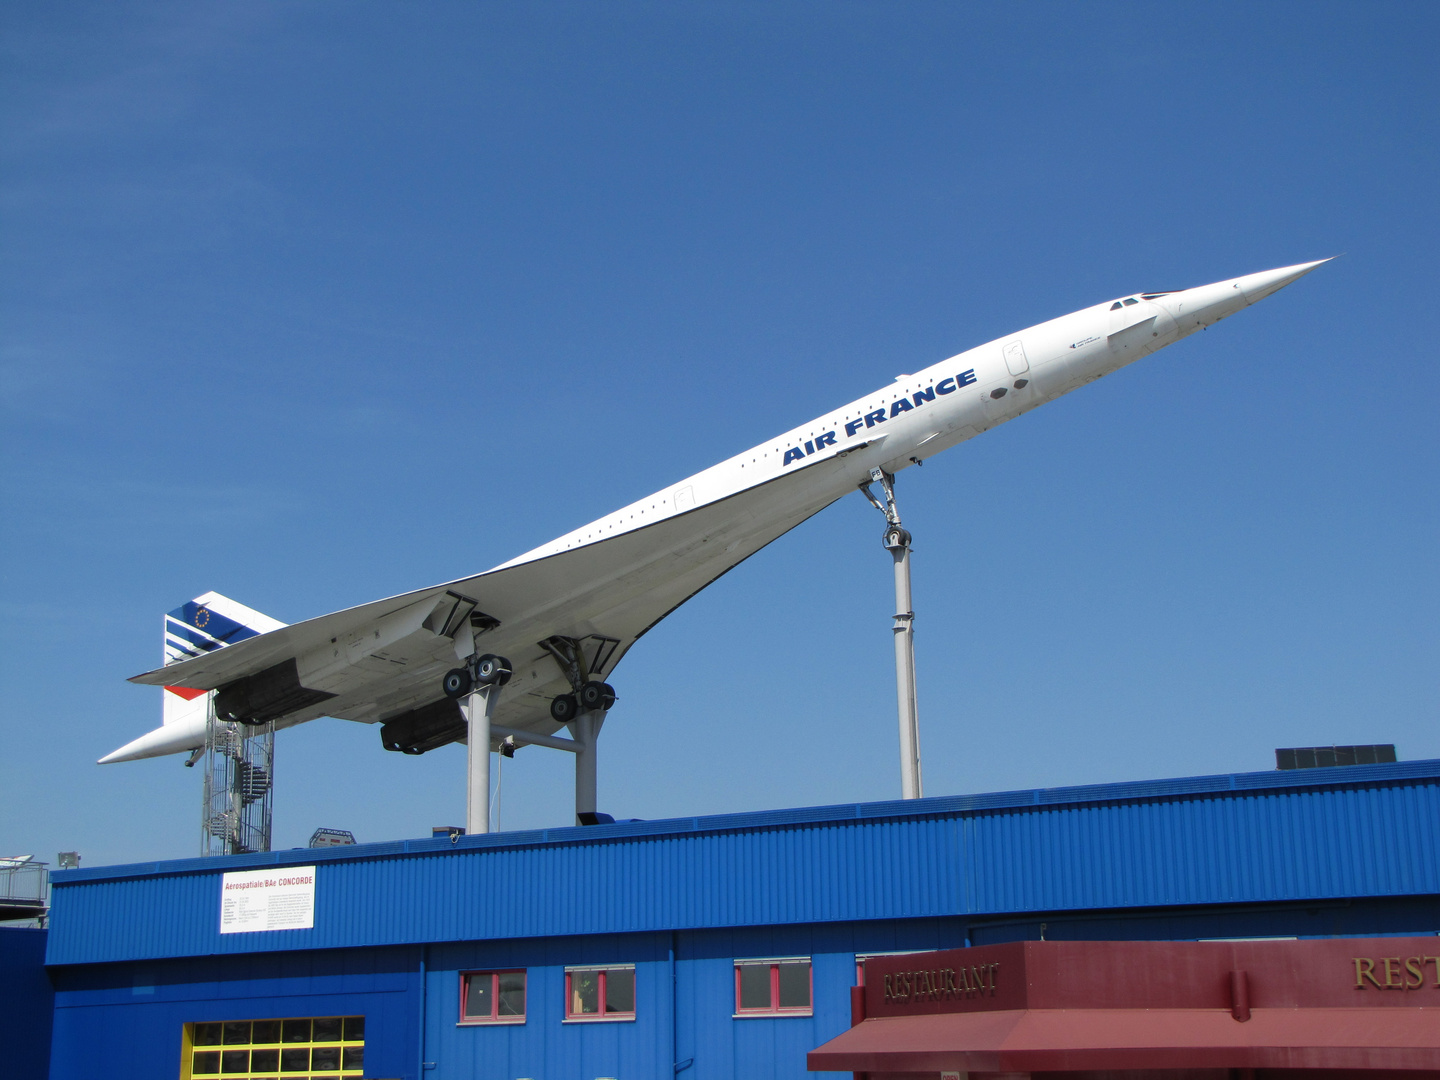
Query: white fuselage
919,415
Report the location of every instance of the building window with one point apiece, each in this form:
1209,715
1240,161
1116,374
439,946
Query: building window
779,987
492,997
245,1049
600,993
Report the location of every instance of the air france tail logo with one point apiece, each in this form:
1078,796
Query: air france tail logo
194,629
879,416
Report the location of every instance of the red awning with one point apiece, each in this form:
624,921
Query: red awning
1026,1040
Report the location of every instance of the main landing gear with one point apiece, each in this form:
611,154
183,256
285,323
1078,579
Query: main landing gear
476,686
591,697
487,670
582,710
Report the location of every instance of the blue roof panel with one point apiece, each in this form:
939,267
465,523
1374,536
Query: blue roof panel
1369,830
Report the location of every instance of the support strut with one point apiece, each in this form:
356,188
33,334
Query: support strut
586,732
897,541
479,709
592,699
476,688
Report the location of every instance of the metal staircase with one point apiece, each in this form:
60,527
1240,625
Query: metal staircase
239,782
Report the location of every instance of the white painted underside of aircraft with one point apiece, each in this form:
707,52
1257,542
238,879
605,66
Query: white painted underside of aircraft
607,583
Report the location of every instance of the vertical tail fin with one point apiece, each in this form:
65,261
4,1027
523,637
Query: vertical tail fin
203,625
211,622
207,623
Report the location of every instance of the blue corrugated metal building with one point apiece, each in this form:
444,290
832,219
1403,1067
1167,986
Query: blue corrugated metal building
27,1004
683,947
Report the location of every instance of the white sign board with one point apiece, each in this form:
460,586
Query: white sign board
279,899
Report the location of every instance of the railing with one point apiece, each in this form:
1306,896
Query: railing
24,888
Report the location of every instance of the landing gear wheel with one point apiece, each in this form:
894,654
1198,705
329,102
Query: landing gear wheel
564,709
457,682
596,695
492,670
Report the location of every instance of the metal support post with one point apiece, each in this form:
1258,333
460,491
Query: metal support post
530,738
897,542
585,730
479,708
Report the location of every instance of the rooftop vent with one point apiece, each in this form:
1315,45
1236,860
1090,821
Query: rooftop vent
1324,757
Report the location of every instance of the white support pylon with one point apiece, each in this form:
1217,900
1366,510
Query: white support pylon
586,732
897,542
479,708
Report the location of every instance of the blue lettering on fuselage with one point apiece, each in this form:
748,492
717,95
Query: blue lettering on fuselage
879,416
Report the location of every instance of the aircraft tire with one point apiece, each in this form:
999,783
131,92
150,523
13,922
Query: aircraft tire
564,709
492,670
596,695
457,682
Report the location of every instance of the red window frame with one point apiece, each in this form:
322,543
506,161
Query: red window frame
494,1017
860,959
603,973
774,1008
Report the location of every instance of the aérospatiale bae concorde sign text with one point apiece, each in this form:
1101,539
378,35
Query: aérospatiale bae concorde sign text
275,899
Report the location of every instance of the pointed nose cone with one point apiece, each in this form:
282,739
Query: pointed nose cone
1206,305
1258,286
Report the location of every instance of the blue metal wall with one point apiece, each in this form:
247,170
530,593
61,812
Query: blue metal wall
1356,832
122,1021
135,952
685,1003
27,1003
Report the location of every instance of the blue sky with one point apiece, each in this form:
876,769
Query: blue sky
311,303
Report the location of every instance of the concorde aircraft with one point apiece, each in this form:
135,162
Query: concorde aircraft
551,624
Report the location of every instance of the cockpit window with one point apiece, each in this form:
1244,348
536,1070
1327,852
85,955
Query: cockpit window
1131,302
1115,306
1153,295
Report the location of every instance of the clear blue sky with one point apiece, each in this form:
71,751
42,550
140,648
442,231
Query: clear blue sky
311,303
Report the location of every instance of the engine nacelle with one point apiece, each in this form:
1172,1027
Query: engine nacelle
425,728
267,695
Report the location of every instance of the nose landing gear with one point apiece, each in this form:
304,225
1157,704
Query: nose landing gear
897,541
